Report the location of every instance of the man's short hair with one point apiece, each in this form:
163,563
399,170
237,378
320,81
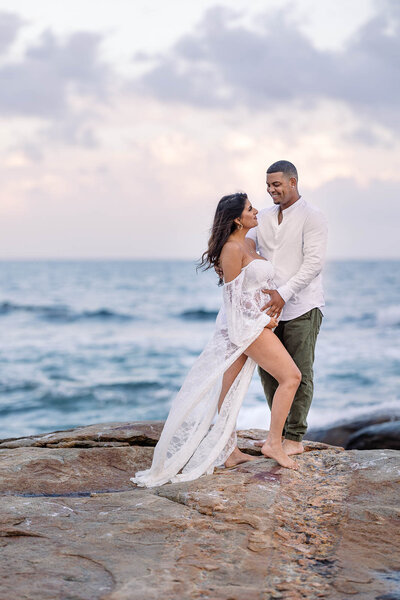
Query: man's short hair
285,167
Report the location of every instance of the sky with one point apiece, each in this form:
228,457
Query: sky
122,123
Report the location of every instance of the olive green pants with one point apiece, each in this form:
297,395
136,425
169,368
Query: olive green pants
299,337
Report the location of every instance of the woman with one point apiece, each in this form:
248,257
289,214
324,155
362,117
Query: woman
218,381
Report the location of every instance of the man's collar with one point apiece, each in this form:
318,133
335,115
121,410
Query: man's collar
290,208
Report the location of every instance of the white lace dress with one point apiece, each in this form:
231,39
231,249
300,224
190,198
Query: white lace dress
196,438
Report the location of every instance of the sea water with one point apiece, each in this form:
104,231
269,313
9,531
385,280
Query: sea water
95,341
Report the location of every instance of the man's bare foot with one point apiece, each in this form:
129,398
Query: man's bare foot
237,458
292,447
277,452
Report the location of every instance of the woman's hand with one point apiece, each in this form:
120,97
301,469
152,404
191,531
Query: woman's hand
273,323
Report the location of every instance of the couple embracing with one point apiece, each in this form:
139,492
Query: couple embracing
269,264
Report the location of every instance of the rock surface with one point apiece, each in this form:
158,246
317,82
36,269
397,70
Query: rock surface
384,435
73,525
368,432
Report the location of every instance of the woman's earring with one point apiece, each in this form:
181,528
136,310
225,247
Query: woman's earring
240,226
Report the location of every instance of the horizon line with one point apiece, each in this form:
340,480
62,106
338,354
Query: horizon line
163,258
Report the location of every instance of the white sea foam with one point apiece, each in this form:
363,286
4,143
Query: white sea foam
257,415
254,417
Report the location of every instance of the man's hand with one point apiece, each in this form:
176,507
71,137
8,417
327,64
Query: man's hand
275,305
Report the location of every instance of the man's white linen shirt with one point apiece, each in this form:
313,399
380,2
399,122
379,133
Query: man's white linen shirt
296,249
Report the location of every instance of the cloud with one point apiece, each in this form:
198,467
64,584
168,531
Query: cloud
40,84
10,24
363,219
227,63
60,82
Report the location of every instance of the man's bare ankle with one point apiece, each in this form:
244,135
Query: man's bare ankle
293,447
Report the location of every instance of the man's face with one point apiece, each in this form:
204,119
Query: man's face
280,188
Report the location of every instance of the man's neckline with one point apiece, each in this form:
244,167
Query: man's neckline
285,211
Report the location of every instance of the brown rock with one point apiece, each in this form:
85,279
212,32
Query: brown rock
255,532
145,433
66,471
247,437
366,432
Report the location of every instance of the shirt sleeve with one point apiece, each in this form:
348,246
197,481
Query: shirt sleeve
315,235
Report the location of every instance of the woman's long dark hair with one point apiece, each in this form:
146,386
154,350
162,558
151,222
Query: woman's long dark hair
229,208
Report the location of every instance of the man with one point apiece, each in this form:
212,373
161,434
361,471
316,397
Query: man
292,235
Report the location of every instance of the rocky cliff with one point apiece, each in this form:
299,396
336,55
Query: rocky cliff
73,525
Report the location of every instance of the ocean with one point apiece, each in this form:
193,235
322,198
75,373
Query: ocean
95,341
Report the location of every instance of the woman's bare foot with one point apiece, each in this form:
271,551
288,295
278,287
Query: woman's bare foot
277,452
292,447
237,457
259,443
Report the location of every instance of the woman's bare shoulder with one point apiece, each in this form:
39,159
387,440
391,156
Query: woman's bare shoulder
231,250
231,260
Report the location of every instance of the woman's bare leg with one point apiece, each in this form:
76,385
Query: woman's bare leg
268,352
230,375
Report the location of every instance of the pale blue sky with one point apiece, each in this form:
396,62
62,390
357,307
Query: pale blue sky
122,123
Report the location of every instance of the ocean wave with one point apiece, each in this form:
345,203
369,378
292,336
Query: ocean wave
364,319
259,416
61,313
65,400
7,387
104,313
321,416
129,386
352,378
385,317
389,316
199,314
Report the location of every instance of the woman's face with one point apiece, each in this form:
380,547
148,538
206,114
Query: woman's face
248,217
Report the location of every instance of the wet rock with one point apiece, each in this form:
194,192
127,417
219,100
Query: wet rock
340,433
251,533
384,435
